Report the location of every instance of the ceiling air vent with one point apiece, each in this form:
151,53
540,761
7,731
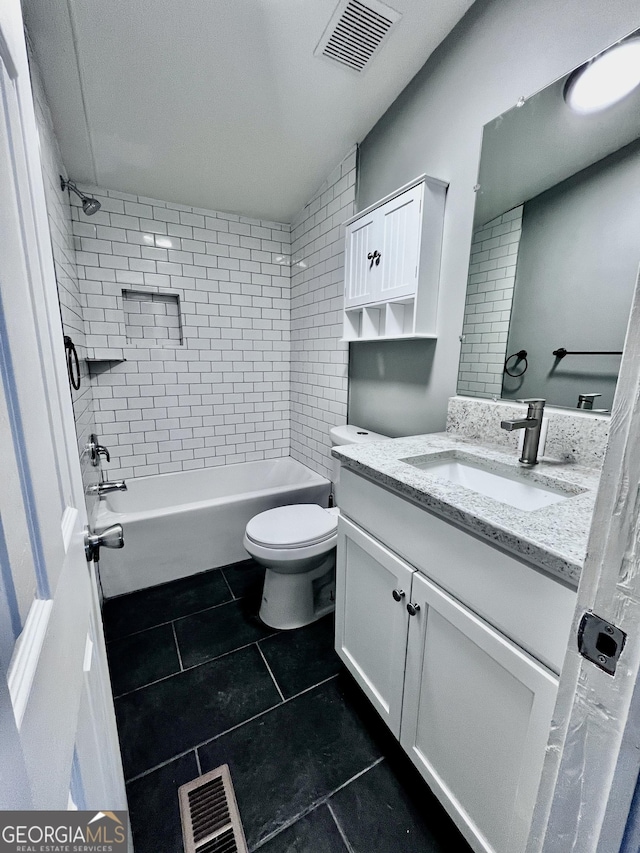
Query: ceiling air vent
355,32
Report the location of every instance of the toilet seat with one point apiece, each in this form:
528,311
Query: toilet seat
292,527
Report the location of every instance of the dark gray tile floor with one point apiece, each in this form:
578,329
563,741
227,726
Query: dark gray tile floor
199,681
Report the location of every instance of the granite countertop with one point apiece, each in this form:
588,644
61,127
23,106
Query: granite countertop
553,538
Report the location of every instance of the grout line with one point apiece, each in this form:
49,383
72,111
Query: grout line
173,619
143,686
175,639
237,726
273,678
313,686
199,766
189,669
233,595
319,802
340,829
160,765
199,745
356,776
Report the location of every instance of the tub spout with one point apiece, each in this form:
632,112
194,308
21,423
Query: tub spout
100,489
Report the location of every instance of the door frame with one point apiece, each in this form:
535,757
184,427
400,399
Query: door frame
593,755
58,661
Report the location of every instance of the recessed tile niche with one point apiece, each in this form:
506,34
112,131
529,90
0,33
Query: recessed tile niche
152,318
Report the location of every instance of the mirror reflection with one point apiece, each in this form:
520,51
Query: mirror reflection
555,251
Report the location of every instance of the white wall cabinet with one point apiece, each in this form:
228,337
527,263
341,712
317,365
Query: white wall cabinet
392,264
471,708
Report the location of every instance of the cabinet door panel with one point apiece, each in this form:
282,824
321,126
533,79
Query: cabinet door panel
361,277
371,626
476,717
401,220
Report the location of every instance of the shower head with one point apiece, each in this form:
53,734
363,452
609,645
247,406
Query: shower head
90,205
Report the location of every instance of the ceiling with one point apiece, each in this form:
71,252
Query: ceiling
218,104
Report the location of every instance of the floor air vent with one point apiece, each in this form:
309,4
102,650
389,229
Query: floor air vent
210,817
355,32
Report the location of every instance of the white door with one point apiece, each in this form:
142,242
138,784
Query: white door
475,719
372,590
58,741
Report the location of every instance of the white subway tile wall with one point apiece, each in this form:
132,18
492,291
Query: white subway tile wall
222,396
318,356
59,214
490,287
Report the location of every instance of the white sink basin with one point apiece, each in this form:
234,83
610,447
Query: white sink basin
507,488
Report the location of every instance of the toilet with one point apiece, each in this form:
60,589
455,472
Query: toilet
297,546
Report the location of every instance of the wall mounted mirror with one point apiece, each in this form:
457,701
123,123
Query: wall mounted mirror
555,251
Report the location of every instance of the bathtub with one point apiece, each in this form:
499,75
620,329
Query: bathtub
179,524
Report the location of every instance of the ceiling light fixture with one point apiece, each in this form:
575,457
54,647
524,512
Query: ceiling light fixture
606,79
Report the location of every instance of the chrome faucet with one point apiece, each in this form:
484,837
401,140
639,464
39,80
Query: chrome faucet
532,425
585,401
102,488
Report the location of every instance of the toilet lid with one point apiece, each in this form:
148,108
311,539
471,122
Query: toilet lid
292,526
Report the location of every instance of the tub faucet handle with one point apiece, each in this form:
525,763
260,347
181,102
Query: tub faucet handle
96,450
102,451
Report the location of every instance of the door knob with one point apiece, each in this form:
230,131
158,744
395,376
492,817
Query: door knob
413,608
110,537
398,594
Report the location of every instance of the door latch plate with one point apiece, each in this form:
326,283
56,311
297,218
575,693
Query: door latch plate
600,642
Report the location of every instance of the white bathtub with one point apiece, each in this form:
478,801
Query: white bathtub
179,524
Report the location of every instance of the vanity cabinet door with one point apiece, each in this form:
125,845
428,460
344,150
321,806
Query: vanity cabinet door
371,624
476,717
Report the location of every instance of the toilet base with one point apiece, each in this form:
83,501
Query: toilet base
294,600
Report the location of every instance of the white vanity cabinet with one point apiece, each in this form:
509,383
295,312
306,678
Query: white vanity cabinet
392,264
470,706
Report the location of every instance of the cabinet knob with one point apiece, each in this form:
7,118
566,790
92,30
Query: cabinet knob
374,257
398,594
413,608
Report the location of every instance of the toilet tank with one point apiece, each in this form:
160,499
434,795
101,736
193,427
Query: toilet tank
350,434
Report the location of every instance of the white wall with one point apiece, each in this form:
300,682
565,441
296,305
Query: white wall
499,51
318,356
220,397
